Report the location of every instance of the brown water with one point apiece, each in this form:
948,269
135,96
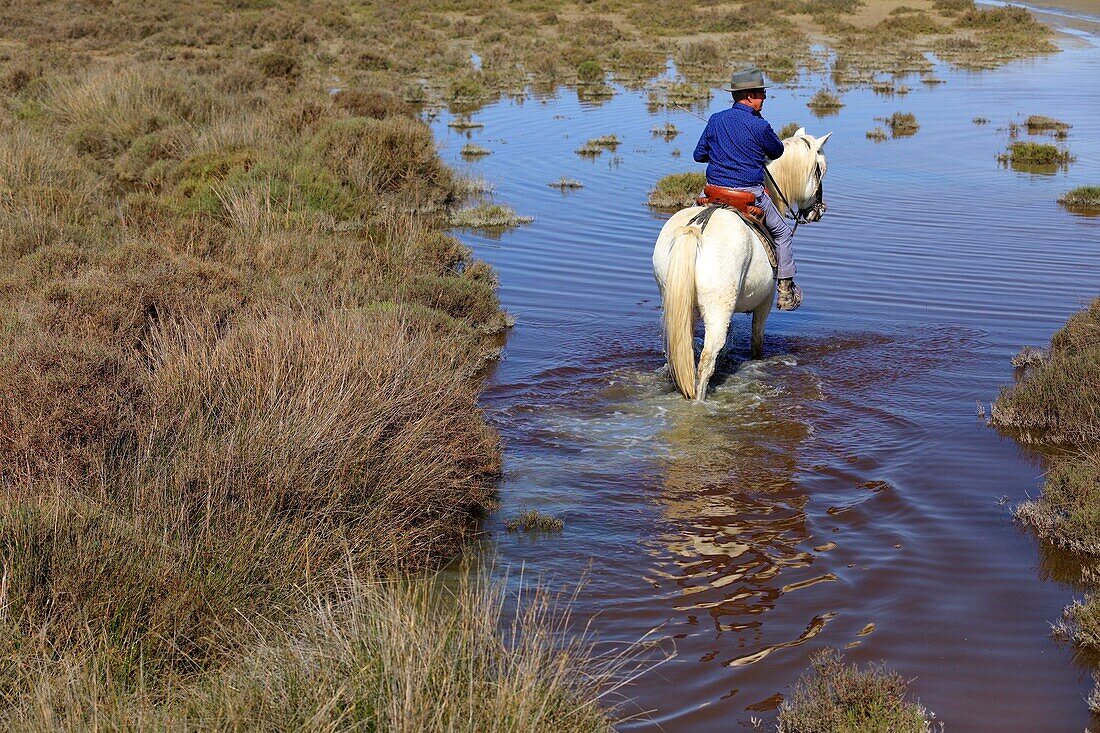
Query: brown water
841,492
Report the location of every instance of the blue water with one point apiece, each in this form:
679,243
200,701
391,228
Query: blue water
845,480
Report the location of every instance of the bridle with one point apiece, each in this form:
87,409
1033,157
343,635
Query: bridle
816,209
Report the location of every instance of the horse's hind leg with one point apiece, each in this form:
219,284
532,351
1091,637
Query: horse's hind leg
716,323
759,316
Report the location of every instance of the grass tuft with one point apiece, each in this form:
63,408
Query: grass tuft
1037,154
824,100
1041,123
902,124
597,145
677,190
788,130
840,698
667,131
1082,197
473,150
488,216
533,520
566,184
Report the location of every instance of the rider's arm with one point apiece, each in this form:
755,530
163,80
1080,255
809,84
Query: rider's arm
773,146
702,150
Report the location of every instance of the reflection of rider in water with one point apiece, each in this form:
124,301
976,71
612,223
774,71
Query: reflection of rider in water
736,145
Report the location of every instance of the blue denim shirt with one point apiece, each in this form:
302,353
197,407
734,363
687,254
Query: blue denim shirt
735,145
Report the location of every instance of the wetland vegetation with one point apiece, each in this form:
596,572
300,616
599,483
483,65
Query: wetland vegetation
677,190
1055,406
240,380
902,124
533,520
244,357
835,697
1035,154
1086,198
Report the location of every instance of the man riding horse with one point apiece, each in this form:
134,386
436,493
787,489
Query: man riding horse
736,145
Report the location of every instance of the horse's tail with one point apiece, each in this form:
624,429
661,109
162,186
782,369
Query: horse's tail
680,307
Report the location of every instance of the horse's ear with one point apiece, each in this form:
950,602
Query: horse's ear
822,140
799,132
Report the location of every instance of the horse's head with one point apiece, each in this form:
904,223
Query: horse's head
799,173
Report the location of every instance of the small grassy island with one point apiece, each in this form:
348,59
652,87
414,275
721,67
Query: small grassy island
1086,198
677,190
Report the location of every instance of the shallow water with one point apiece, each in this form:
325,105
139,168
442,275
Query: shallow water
841,492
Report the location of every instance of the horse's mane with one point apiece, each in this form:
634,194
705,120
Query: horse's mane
791,170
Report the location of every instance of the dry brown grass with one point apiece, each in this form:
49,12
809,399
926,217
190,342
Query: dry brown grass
242,365
395,656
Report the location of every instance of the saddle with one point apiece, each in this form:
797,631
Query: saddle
743,201
756,225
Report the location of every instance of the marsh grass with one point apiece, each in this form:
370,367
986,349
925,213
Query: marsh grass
840,698
1036,154
1041,123
240,379
824,100
877,134
488,216
595,147
788,130
677,94
902,124
473,150
667,131
677,190
532,520
410,655
566,184
1055,403
465,123
1083,197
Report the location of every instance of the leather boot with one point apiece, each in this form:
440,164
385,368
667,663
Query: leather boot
790,295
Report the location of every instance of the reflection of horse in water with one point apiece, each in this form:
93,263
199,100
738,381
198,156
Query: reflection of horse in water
724,268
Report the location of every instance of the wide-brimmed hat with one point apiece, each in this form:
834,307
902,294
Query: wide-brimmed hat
744,80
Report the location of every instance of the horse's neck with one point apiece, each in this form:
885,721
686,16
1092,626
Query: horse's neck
786,172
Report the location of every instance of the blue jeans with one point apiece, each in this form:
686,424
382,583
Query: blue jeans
780,229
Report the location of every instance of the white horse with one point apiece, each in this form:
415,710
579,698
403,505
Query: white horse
724,269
